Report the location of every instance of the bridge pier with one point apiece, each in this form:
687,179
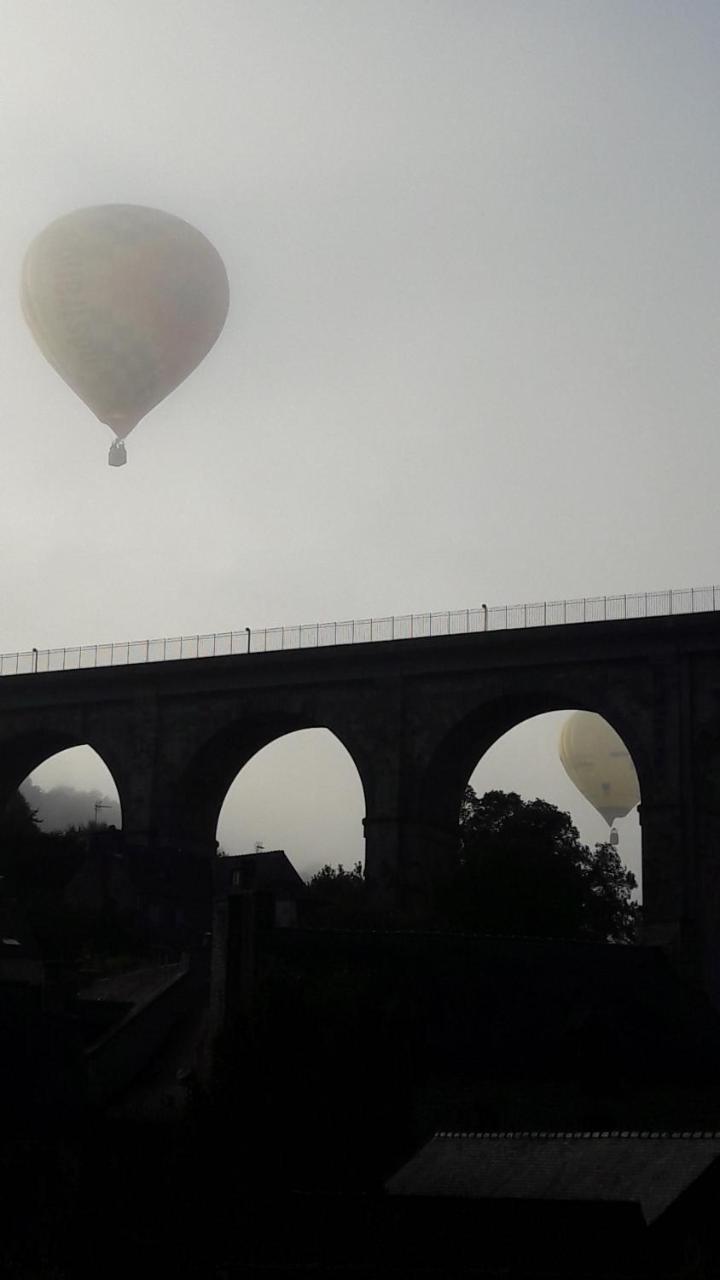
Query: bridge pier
708,913
681,890
665,920
402,859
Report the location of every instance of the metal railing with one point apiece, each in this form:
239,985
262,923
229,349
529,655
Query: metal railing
409,626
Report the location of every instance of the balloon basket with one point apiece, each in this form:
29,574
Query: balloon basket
117,457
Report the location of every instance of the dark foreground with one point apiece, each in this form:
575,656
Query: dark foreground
344,1058
122,1200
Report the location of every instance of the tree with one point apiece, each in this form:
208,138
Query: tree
35,868
19,822
337,898
522,869
338,877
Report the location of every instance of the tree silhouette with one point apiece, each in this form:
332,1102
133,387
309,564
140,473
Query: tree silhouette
19,823
337,898
522,869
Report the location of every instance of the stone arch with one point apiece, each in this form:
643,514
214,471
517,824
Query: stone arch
22,753
527,760
465,741
301,793
206,776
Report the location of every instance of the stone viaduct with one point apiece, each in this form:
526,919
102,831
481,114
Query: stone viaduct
415,716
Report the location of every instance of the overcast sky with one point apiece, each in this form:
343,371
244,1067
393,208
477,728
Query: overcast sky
472,345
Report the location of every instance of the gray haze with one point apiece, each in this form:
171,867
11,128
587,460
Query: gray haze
63,806
471,351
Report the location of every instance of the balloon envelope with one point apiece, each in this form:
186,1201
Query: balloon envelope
124,302
596,759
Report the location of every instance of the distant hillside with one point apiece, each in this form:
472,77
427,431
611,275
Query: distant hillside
63,807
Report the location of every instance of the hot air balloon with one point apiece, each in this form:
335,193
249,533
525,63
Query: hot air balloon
599,764
124,302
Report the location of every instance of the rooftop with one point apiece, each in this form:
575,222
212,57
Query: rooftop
651,1170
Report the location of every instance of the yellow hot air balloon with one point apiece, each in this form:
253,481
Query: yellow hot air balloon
599,764
124,302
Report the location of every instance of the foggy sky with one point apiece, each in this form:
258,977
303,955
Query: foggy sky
471,351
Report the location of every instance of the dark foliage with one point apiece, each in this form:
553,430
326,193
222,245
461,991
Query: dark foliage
337,898
521,869
37,864
35,869
19,822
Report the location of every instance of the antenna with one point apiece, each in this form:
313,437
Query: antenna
101,804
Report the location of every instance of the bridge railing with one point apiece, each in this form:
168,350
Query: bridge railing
409,626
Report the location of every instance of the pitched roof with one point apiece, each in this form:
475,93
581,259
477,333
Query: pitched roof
269,870
650,1170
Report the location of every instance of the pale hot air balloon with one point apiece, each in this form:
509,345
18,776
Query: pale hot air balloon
596,759
124,302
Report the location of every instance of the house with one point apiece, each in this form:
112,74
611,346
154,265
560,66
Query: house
253,892
268,872
610,1202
